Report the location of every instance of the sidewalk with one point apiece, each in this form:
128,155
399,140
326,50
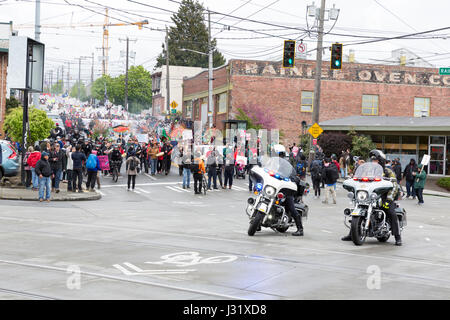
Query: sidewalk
31,195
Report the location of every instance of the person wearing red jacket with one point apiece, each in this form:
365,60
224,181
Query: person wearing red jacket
33,158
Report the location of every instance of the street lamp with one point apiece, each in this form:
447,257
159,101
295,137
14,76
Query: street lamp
210,80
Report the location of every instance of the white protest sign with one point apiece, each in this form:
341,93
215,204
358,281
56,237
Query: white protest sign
142,138
425,160
187,134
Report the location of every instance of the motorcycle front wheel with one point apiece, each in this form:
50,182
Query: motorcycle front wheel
255,222
358,236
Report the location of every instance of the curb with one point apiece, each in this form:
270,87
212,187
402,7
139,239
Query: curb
91,197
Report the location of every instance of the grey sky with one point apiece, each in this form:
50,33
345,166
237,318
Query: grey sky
363,17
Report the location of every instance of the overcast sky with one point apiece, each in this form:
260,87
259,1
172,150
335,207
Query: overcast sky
380,18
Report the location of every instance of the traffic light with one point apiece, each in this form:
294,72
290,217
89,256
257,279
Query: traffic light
289,53
336,56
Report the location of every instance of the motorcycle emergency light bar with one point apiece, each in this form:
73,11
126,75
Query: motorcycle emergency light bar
367,179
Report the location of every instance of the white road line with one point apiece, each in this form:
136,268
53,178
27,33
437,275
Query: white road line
101,193
150,176
238,188
173,189
140,184
326,231
142,190
181,189
136,191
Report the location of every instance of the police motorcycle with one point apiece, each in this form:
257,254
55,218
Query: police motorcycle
366,218
272,184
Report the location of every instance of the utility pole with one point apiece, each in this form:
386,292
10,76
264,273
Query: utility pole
37,37
126,77
167,73
210,73
68,77
317,82
79,77
51,81
62,78
92,78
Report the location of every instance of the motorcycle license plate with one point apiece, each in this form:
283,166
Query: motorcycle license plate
262,207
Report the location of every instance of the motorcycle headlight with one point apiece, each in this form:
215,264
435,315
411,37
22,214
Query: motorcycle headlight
362,195
269,191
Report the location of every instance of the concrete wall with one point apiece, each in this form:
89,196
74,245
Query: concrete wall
176,74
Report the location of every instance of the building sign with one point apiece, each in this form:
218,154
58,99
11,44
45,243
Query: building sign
350,72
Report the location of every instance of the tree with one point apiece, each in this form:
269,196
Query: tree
334,143
57,88
190,32
361,144
139,89
74,91
12,103
256,117
40,124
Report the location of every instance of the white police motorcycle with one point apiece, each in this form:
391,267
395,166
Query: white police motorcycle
366,218
272,185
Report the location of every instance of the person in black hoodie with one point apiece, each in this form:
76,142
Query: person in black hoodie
44,172
56,160
408,176
77,174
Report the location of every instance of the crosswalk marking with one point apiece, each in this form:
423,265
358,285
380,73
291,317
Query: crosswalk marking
238,188
173,189
150,176
142,190
184,190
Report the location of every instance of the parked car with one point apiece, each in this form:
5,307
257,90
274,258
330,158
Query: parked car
9,159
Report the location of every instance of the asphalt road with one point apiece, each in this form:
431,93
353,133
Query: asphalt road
163,242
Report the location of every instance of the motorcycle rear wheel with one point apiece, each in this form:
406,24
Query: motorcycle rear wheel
356,231
255,222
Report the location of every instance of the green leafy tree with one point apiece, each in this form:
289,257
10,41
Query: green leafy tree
361,144
74,91
57,88
12,103
139,89
40,124
190,32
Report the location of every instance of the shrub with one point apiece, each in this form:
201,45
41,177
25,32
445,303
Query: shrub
444,183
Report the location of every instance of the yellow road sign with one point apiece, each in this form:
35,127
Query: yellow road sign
174,105
315,130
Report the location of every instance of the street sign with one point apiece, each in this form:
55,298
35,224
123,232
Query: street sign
315,130
174,105
174,110
444,71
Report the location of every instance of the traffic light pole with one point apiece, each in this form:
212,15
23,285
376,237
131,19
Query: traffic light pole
210,73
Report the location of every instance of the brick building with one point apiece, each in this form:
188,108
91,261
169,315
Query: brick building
5,33
366,90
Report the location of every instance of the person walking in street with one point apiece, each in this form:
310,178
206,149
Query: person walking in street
419,183
316,177
186,162
78,158
167,160
44,172
56,159
330,175
409,178
33,159
198,170
69,150
92,166
229,170
132,165
154,150
211,164
28,181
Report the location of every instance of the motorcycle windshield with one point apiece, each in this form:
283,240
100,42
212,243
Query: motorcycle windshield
369,170
279,165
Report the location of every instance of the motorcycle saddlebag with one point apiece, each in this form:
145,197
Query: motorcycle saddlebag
401,215
302,209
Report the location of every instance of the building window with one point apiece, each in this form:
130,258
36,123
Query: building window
307,101
222,103
369,105
421,107
156,84
189,109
